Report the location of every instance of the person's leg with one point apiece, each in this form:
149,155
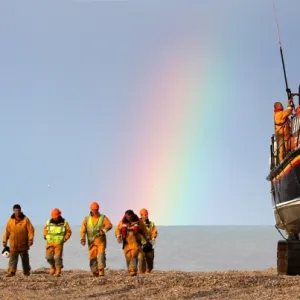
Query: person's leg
12,264
25,262
141,262
132,267
50,258
58,253
150,261
93,260
101,259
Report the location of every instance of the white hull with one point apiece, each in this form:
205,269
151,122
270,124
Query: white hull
287,215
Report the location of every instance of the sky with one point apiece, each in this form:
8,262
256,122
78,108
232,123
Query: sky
166,105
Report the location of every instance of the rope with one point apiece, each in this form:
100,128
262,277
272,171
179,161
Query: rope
280,233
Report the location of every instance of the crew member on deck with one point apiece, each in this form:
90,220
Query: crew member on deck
282,127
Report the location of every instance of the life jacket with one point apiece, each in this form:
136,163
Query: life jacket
56,231
125,229
93,230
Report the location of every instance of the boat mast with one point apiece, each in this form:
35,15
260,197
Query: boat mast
288,91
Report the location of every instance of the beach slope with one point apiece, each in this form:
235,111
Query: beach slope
117,284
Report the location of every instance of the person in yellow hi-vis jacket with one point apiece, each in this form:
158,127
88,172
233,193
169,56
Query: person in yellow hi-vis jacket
146,255
94,227
56,232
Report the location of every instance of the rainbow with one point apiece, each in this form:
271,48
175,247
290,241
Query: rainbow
176,132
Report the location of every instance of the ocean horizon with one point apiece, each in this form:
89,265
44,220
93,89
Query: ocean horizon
183,248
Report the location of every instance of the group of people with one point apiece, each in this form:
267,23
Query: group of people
136,234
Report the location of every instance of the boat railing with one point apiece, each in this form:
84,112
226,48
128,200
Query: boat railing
285,141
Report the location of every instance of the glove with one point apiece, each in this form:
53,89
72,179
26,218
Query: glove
119,239
290,102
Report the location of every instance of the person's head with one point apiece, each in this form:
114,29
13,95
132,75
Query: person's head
278,105
129,215
55,214
94,207
17,210
144,214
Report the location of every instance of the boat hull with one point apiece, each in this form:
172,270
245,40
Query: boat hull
285,189
286,185
287,216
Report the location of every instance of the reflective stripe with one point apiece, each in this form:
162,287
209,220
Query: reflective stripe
93,230
56,232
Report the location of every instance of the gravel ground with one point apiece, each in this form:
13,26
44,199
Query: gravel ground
117,284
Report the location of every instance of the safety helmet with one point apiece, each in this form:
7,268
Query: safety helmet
6,252
55,213
143,211
95,206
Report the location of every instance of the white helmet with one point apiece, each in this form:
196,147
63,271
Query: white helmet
5,252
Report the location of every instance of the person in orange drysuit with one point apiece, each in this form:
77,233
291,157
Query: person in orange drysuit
94,227
282,127
56,232
133,233
20,233
146,254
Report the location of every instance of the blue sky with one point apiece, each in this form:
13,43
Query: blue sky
68,75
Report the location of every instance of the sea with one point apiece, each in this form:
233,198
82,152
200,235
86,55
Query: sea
183,248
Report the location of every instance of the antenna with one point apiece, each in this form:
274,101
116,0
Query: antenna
288,91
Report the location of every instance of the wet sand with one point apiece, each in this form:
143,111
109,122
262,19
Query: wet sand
117,284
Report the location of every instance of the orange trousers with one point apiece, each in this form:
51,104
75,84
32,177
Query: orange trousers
131,257
97,257
54,253
283,145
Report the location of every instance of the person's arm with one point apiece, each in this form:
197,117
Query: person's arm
118,232
107,225
83,231
68,232
45,231
153,232
30,230
6,235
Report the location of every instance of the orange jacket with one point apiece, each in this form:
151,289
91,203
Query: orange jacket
133,241
19,233
282,121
